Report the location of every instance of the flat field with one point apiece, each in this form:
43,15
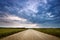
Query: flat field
51,31
9,31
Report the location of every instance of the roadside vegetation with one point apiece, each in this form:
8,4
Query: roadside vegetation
51,31
9,31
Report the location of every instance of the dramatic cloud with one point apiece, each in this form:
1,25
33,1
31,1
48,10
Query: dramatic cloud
30,13
14,21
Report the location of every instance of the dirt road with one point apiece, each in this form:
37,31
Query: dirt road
30,34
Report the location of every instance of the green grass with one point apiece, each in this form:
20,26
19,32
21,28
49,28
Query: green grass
51,31
8,31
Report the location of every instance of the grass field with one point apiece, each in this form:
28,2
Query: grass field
52,31
8,31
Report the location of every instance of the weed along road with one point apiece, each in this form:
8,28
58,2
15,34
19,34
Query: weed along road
30,34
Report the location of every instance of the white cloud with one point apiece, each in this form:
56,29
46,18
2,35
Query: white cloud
30,7
32,26
12,17
45,1
50,14
15,21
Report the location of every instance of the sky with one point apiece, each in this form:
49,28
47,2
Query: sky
30,13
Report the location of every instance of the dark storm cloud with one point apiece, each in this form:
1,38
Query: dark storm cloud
35,11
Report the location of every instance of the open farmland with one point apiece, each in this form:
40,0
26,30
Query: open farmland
51,31
8,31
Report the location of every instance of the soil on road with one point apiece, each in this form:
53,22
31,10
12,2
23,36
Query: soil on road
30,34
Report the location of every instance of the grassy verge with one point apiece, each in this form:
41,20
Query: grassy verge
8,31
51,31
